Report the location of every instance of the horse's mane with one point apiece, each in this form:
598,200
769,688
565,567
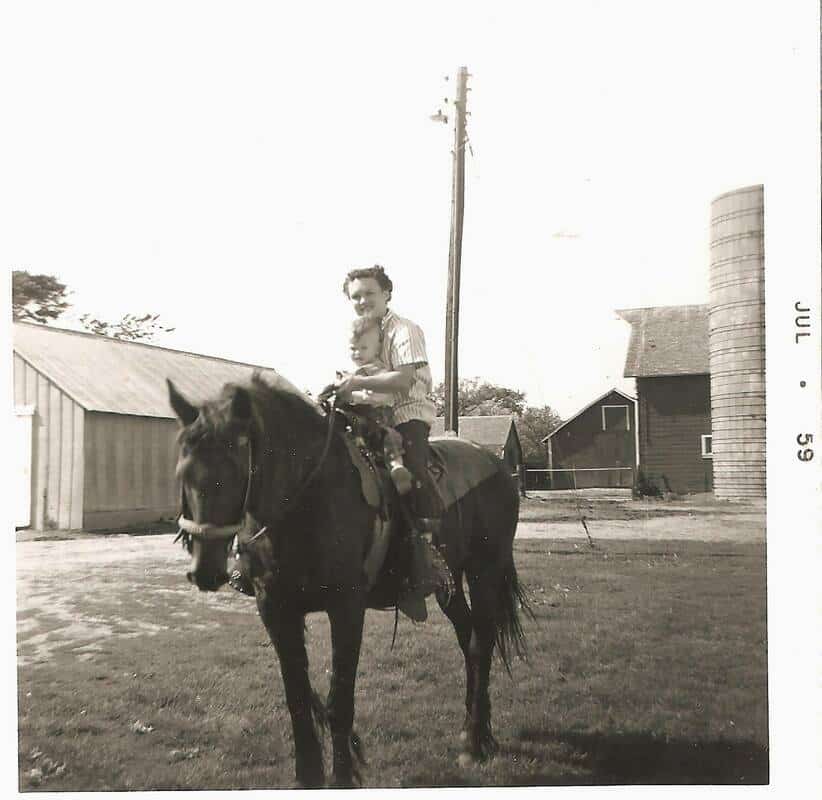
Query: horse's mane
272,400
280,394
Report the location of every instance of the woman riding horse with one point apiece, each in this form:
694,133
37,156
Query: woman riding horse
262,463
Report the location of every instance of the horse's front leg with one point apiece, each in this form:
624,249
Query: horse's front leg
287,632
346,616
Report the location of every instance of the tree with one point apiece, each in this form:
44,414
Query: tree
37,298
478,398
129,327
40,298
533,426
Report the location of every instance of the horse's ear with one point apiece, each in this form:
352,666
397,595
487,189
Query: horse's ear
241,405
185,412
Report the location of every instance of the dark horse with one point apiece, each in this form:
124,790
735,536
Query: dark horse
265,461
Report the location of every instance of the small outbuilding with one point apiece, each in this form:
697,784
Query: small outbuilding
497,433
668,356
95,435
595,447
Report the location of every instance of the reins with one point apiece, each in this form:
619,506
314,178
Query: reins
292,501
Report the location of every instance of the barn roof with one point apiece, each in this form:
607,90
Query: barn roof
121,377
667,340
590,405
491,431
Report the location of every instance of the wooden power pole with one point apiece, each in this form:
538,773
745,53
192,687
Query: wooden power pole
452,307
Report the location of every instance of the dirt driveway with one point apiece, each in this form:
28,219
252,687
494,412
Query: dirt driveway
55,574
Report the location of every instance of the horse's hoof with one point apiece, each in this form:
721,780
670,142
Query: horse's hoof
465,760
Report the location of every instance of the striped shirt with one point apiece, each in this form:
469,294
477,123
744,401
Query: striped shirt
403,344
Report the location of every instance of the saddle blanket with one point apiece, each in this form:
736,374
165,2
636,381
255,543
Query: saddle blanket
457,466
464,466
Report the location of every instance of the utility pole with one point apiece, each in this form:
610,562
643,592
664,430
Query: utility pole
452,307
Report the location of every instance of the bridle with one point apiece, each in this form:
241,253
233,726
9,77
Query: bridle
188,530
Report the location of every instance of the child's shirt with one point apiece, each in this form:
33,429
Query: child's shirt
367,397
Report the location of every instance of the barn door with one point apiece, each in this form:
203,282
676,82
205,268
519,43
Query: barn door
23,416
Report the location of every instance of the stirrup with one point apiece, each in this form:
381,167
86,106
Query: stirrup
438,579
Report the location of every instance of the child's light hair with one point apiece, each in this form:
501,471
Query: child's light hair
361,326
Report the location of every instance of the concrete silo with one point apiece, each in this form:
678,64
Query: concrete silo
736,343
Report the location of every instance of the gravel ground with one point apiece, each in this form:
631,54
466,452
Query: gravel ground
698,526
54,568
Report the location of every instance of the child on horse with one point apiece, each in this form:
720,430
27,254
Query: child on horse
396,375
407,378
373,410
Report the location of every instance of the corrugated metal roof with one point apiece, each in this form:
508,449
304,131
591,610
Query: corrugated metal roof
590,405
487,431
667,340
120,377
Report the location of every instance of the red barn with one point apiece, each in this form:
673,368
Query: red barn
668,356
595,447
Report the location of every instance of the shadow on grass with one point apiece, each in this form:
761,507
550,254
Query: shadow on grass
608,759
642,758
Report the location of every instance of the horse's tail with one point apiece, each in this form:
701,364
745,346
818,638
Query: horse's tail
512,598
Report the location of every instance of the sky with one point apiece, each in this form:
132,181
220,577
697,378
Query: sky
224,165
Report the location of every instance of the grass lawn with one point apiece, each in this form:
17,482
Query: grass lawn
647,665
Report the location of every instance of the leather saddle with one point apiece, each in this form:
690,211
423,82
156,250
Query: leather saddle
456,465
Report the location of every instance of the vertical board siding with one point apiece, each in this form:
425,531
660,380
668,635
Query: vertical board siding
78,469
42,438
19,383
583,443
155,460
66,463
129,464
171,490
30,398
138,483
675,413
122,495
57,449
53,486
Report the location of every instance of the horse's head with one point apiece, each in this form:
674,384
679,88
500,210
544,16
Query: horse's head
213,469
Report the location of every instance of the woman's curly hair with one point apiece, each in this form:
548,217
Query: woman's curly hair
376,272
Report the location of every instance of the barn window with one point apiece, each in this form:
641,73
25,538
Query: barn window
616,418
707,446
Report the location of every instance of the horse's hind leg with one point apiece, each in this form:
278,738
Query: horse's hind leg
346,618
460,615
483,587
287,632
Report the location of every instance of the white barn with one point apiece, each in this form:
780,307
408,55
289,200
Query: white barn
95,435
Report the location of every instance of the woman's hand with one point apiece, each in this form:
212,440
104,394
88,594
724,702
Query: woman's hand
345,384
341,388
